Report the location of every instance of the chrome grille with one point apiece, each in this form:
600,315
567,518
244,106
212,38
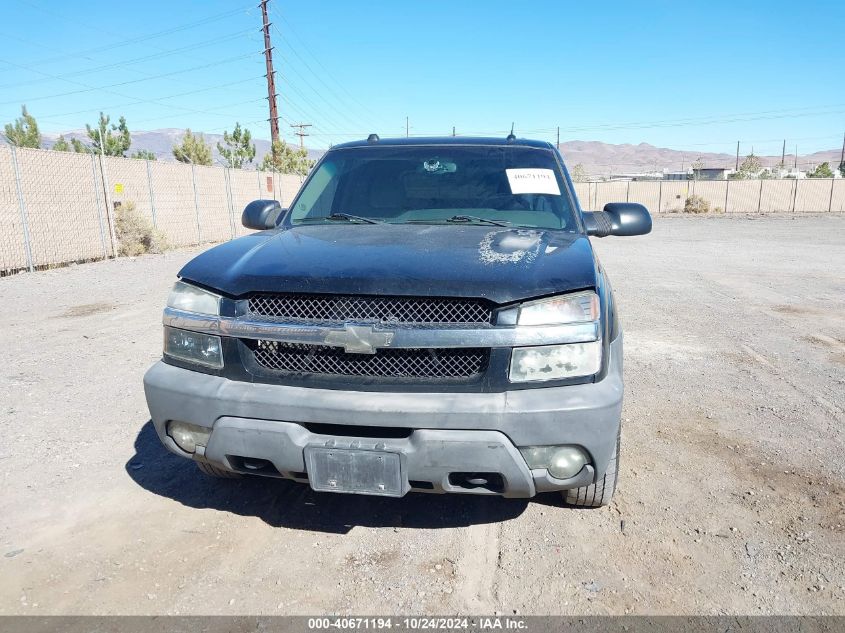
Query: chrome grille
386,363
342,308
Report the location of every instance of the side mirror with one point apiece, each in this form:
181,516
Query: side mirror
618,218
261,214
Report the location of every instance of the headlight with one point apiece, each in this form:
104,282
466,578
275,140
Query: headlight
579,307
202,349
554,362
192,299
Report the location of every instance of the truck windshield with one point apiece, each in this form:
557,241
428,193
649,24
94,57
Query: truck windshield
437,184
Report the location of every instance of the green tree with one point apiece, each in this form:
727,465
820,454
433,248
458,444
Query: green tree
579,173
24,131
237,148
79,147
842,168
114,139
193,149
61,145
822,171
144,154
697,166
750,167
286,160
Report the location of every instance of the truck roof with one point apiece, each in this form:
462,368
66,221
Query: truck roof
446,140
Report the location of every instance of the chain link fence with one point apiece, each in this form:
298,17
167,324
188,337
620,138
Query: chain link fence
811,195
58,207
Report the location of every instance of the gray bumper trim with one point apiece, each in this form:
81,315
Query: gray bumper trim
586,415
394,337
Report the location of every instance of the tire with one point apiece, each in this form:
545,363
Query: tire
600,493
213,471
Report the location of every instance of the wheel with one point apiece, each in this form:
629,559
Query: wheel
600,493
213,471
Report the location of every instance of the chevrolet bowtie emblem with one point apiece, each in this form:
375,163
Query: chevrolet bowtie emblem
359,339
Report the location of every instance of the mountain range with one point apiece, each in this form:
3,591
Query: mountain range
598,159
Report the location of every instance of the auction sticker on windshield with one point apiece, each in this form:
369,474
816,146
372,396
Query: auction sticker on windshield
533,180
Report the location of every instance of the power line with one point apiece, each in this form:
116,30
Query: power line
121,64
327,72
319,95
127,42
155,101
125,83
309,102
319,75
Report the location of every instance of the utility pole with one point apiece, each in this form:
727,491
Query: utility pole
842,154
796,161
453,130
407,128
271,77
558,138
737,156
783,156
301,133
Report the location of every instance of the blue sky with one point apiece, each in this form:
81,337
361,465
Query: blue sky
674,74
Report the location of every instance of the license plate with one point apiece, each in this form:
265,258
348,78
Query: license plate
354,470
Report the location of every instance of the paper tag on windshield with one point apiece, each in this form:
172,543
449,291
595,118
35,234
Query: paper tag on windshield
533,180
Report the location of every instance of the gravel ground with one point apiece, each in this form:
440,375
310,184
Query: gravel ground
731,494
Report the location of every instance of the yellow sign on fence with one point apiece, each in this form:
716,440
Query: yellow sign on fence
118,187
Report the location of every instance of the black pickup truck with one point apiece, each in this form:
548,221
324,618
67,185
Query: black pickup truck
428,315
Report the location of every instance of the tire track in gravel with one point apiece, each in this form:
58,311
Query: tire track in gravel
479,563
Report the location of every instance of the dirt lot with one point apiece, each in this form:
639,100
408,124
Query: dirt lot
731,494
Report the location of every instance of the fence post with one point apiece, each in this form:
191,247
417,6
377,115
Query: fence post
760,197
196,203
830,202
228,178
795,194
727,187
659,195
22,206
152,196
109,206
628,192
258,177
99,210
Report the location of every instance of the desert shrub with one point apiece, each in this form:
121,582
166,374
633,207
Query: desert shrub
696,204
135,234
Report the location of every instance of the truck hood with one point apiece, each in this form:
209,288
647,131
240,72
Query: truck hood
499,264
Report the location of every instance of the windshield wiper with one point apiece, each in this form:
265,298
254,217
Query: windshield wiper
471,218
343,216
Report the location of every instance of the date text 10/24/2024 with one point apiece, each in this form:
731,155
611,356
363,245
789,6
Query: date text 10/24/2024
492,623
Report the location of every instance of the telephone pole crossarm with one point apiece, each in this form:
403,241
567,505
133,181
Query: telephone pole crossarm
301,133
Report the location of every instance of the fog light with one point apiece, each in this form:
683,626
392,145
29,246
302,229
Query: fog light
188,436
562,462
567,462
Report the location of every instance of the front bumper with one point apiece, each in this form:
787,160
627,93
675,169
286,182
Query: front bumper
447,432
